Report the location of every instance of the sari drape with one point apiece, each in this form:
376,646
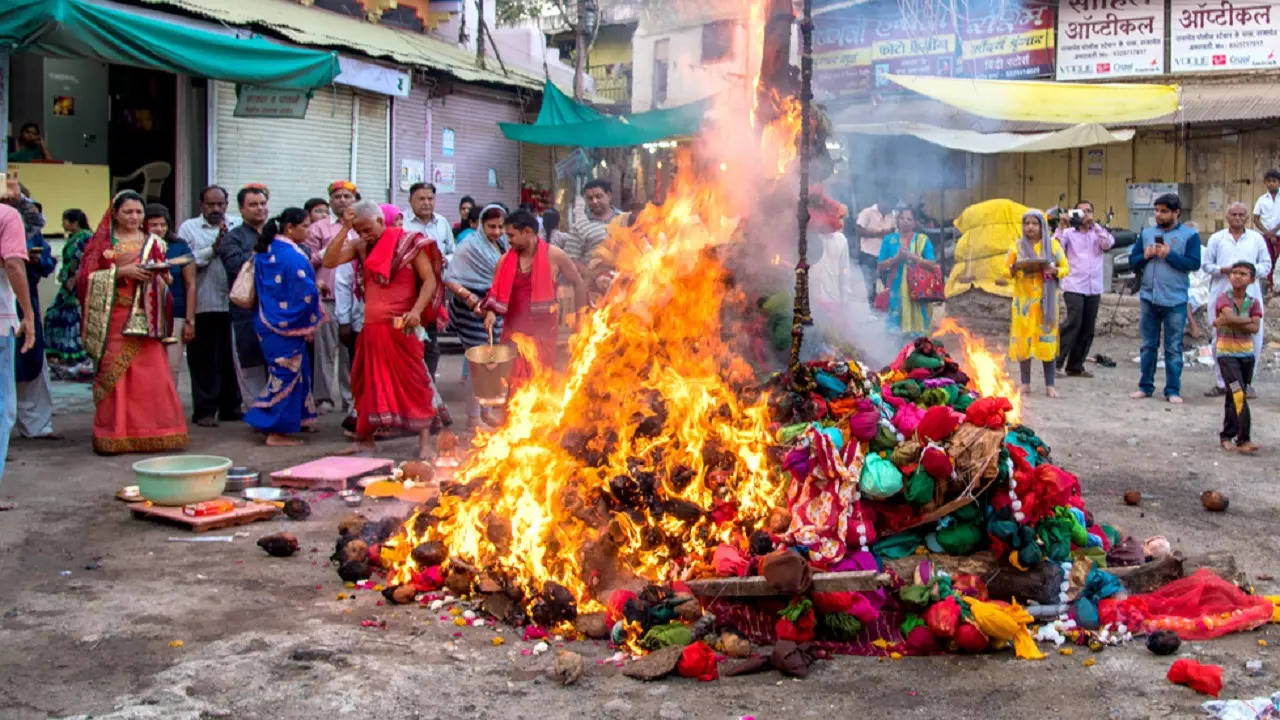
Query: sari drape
389,378
136,404
62,319
288,314
908,317
474,263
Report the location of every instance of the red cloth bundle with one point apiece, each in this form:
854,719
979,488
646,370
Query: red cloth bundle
970,639
937,463
1199,607
938,423
614,605
988,412
727,561
800,631
698,660
1204,679
828,603
943,617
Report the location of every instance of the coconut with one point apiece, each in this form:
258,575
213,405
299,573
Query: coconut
1132,497
1214,501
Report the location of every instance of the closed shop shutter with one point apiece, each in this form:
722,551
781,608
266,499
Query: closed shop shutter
409,138
296,159
371,155
478,146
537,164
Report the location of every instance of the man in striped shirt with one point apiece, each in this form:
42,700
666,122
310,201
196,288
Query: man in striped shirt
1236,318
587,233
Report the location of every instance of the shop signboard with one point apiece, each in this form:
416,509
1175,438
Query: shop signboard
841,52
1220,35
270,103
1009,41
1100,39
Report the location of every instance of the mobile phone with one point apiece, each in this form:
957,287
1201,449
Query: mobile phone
1159,239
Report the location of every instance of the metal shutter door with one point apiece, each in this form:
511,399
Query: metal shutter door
478,146
409,126
296,159
371,153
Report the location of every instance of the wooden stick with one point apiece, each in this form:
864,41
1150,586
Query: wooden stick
850,581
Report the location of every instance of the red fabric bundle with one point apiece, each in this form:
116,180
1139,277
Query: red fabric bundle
920,374
614,605
943,617
698,660
970,638
969,584
828,603
938,423
724,511
1040,489
427,580
1199,607
800,631
937,463
921,641
727,561
988,412
1204,679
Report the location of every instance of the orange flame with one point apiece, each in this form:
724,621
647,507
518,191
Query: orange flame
778,143
985,368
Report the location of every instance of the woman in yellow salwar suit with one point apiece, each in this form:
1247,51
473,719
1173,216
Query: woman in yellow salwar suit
1036,263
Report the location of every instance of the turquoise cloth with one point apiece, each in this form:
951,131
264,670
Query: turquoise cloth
78,28
561,121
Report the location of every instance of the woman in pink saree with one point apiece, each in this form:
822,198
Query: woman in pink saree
123,285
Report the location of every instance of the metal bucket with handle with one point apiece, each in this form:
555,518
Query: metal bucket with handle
490,366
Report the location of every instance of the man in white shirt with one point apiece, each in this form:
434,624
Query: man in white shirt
1266,217
215,394
331,377
1236,243
424,219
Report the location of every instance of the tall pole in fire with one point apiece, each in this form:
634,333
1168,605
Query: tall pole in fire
800,314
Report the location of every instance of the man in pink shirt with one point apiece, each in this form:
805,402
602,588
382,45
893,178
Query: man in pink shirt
330,383
13,289
1084,242
873,223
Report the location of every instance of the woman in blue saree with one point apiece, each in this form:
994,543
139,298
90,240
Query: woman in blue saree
897,251
288,315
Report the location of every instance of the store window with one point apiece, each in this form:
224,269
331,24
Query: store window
661,49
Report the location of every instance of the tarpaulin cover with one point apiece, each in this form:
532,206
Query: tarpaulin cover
1046,101
565,122
988,230
75,28
1083,135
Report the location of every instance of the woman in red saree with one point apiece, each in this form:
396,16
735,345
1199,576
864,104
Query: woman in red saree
125,300
400,275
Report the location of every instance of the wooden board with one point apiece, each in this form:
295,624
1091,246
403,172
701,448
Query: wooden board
250,512
330,473
756,586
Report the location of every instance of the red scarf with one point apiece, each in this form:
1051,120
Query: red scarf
544,288
379,259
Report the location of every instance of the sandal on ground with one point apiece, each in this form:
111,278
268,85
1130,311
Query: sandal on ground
1247,448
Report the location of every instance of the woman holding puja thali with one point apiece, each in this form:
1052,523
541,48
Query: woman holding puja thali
123,285
1036,262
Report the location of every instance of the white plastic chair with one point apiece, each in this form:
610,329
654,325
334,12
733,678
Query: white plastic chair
153,175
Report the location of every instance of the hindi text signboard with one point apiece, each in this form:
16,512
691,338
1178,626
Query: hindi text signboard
1006,41
1099,39
1219,35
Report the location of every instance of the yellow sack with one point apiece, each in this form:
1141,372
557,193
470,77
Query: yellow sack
1004,625
988,229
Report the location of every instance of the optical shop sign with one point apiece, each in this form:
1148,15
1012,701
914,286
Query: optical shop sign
1099,39
1219,35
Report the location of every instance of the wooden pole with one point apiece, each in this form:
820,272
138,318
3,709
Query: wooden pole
800,315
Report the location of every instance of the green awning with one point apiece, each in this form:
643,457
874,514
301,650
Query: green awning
77,28
561,121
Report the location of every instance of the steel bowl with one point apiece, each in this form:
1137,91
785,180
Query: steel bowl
239,478
265,494
352,498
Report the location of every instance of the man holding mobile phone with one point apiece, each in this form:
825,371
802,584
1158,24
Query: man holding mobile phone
1164,257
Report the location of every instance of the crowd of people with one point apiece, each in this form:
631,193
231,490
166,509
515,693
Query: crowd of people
1062,253
277,317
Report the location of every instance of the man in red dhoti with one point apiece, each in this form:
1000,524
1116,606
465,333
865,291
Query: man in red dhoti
399,274
524,293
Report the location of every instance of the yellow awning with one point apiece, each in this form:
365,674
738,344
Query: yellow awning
1082,135
1043,101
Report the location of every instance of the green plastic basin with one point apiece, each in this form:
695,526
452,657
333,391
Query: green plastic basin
181,479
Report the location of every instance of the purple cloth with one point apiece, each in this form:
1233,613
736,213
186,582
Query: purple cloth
1084,249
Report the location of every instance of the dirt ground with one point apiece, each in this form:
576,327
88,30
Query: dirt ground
93,603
